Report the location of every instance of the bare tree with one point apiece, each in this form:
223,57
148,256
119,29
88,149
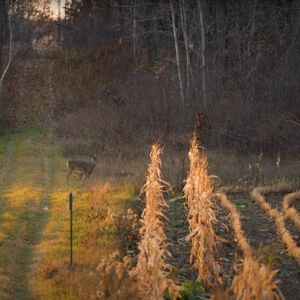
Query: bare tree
134,28
12,51
176,44
10,55
203,46
186,45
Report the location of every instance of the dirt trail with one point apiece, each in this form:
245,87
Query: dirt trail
24,194
177,232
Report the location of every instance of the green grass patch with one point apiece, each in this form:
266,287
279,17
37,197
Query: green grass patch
34,222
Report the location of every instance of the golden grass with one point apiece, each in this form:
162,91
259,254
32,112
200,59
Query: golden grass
278,217
291,212
201,217
21,197
95,236
152,270
18,195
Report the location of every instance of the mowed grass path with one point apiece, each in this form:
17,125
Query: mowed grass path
23,197
34,222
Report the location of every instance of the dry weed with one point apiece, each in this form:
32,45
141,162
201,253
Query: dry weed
152,269
127,226
115,282
201,217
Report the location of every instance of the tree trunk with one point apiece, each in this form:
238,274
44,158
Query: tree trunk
2,104
186,45
177,53
203,62
3,26
134,29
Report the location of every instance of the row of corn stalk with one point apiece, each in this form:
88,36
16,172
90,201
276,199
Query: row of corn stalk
279,218
291,212
255,280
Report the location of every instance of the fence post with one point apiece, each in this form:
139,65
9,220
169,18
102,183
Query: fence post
71,227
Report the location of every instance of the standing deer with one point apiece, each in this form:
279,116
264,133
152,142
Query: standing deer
85,168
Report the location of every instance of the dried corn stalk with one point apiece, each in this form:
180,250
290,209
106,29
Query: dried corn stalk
236,224
152,269
255,281
291,212
278,217
201,217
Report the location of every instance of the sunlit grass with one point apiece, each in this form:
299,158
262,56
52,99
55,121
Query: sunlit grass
54,247
53,279
20,197
34,210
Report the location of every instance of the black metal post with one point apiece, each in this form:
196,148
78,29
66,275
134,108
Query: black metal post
71,227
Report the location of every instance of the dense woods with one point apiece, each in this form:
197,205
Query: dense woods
227,68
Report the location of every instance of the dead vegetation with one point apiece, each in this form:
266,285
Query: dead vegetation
255,280
201,217
115,282
291,212
152,270
236,224
141,268
279,218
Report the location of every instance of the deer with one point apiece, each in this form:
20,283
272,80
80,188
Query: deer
83,167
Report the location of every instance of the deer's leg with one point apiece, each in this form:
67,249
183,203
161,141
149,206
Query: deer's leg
68,174
83,179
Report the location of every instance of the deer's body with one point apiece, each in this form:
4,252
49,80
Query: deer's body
82,167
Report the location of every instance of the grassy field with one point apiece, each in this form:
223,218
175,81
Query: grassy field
34,222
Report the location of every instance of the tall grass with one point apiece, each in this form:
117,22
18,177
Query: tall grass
152,269
201,217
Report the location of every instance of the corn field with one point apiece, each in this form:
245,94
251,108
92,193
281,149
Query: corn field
250,276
